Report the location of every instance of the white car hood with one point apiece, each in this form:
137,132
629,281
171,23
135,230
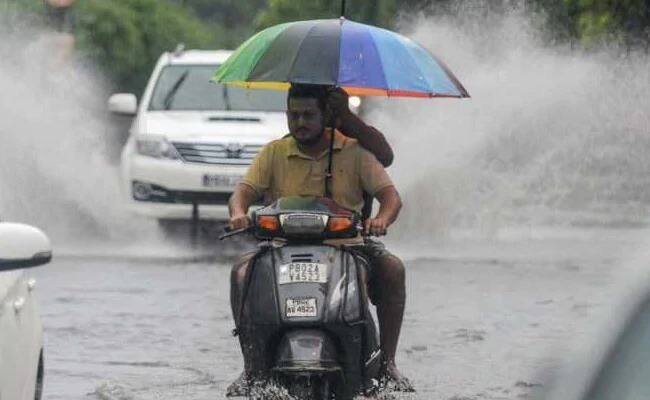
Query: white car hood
213,126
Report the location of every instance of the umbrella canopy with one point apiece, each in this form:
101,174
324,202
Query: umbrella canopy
362,59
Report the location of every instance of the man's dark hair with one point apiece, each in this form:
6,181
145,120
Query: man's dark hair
307,91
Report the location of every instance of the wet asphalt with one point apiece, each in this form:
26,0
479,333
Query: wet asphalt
483,320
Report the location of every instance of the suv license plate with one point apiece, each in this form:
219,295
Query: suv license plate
303,272
211,180
301,308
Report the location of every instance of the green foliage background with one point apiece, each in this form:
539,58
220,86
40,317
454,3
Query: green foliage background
125,37
377,12
598,22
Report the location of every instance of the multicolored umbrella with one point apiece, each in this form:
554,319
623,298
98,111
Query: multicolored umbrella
362,59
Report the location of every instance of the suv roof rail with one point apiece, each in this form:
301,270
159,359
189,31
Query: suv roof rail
180,48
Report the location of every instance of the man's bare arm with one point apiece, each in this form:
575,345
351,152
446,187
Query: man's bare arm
352,126
390,205
368,137
240,201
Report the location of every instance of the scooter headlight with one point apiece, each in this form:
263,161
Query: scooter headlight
303,224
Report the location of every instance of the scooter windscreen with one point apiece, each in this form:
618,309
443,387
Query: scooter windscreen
305,218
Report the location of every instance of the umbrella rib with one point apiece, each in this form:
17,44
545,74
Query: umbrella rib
379,54
452,77
404,41
295,58
383,73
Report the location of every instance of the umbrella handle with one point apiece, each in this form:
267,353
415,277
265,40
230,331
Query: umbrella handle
332,116
343,8
330,154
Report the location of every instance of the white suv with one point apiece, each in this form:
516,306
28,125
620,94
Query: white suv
192,140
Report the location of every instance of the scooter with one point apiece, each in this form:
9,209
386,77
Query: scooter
304,320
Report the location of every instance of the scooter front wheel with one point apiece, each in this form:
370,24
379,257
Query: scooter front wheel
310,387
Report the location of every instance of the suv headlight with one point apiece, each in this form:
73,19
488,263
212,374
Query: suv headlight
156,147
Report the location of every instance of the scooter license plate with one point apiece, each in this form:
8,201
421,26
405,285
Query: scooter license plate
305,307
303,272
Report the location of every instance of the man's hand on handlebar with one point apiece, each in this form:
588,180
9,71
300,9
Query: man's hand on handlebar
376,226
241,221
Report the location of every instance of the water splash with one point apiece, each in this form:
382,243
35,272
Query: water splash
109,391
56,170
550,136
269,390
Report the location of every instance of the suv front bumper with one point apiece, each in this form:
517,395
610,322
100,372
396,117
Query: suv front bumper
166,189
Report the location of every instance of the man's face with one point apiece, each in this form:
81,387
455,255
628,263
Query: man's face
306,122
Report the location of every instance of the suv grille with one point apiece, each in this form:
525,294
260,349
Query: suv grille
208,153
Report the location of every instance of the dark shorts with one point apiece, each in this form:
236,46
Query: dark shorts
373,250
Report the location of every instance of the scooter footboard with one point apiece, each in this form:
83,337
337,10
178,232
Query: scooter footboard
306,350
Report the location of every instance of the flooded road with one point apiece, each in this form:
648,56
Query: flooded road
483,318
550,137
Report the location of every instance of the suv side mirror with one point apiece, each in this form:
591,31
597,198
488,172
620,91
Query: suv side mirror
23,246
123,103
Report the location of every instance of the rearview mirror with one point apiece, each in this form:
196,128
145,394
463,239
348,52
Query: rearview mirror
123,103
23,246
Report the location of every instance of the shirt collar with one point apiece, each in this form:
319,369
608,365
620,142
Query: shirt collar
294,150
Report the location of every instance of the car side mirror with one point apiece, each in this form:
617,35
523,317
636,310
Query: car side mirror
123,104
23,246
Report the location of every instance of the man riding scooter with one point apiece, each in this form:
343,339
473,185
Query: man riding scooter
297,165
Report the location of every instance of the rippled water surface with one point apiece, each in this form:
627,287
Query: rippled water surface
483,318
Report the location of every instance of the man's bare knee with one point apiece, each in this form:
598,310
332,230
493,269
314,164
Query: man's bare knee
391,279
238,275
240,269
391,268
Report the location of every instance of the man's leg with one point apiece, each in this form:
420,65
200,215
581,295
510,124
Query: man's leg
237,283
390,303
389,295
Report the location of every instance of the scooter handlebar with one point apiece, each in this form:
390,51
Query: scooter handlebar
228,232
365,234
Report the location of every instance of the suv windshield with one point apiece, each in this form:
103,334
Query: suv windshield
188,87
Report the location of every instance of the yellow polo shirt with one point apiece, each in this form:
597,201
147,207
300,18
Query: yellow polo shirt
281,169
